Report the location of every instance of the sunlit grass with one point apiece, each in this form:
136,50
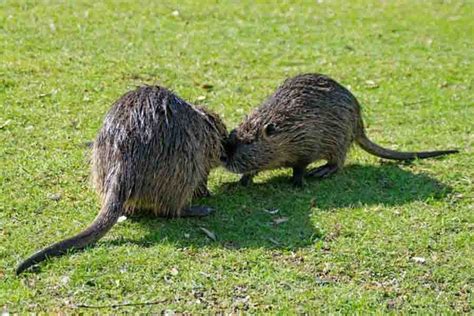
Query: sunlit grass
375,237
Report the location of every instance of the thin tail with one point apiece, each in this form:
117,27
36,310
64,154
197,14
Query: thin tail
108,216
379,151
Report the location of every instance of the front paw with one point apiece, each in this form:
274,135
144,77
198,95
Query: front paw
246,180
298,183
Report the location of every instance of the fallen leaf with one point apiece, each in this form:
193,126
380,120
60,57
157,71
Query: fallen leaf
280,220
54,196
273,241
209,234
320,281
371,84
207,275
272,211
231,245
5,124
65,280
444,84
419,260
201,98
174,271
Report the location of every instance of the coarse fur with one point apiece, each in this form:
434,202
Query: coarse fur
310,117
153,153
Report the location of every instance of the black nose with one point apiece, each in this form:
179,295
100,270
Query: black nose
228,146
223,158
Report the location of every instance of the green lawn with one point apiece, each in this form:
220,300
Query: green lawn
376,237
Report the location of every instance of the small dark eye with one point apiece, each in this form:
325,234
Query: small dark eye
223,158
270,129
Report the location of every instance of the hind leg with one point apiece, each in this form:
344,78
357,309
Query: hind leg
333,165
335,157
202,190
298,176
247,179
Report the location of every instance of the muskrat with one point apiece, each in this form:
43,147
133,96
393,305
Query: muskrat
310,117
153,153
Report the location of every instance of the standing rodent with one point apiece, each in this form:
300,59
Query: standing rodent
310,117
153,153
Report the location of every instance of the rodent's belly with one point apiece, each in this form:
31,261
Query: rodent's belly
302,160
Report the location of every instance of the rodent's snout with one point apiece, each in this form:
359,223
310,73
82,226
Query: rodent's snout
229,147
223,158
226,152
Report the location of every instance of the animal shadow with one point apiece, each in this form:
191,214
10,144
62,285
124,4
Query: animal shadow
274,214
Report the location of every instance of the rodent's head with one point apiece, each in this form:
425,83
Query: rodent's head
254,146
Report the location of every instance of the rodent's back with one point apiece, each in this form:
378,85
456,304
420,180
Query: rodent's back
152,152
165,146
311,90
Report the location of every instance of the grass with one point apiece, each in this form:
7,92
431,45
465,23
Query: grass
350,243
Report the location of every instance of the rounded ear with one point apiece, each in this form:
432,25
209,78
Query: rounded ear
269,129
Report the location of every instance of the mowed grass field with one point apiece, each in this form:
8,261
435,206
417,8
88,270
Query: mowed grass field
378,236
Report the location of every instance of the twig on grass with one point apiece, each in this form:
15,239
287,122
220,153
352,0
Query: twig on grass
117,305
416,102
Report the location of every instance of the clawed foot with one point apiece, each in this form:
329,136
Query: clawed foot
197,211
323,171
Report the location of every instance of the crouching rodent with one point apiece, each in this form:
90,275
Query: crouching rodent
310,117
153,153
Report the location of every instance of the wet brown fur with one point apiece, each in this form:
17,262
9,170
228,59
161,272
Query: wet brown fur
153,154
310,117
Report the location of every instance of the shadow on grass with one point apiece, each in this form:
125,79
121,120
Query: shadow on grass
242,222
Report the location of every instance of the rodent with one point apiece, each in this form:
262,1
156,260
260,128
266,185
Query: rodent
153,153
310,117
